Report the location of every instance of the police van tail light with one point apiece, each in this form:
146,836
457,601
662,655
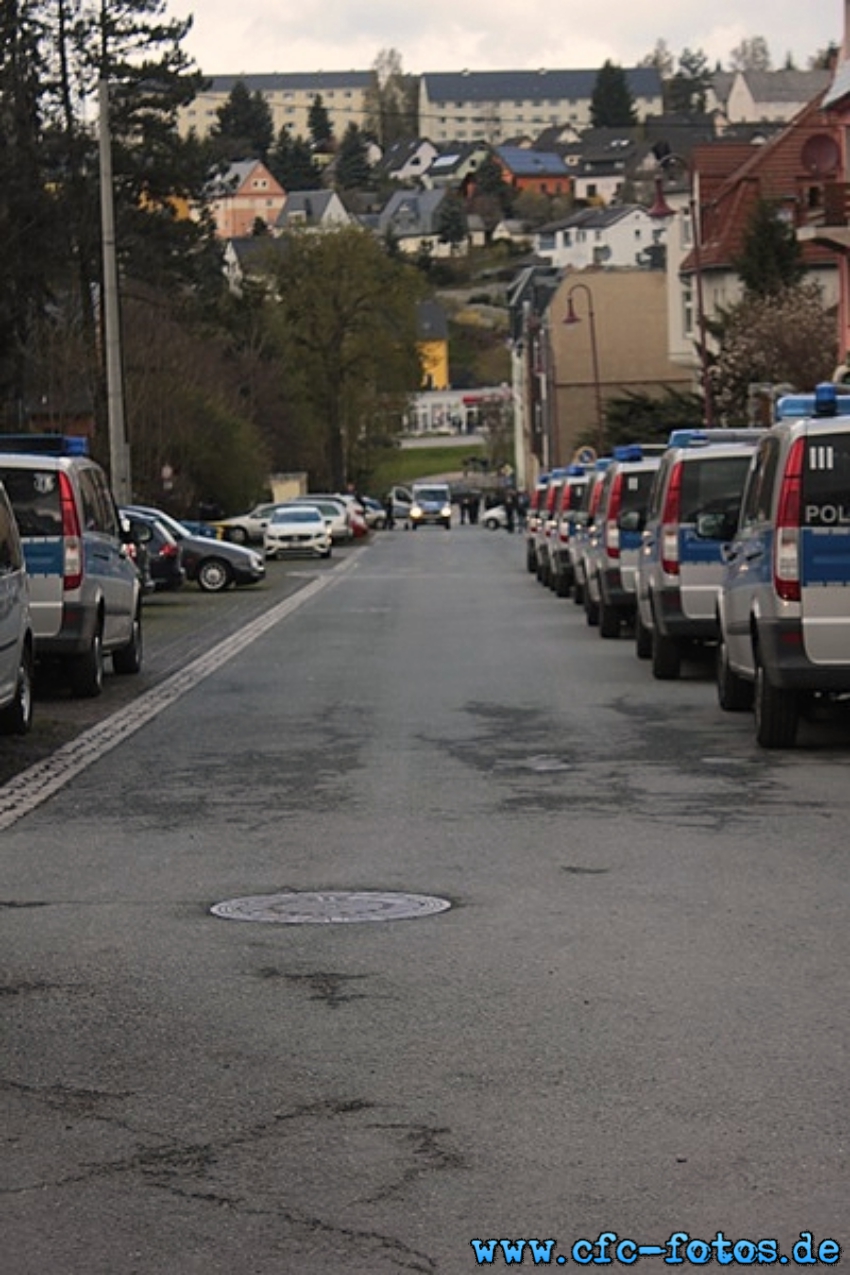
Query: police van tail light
670,516
786,549
612,530
72,567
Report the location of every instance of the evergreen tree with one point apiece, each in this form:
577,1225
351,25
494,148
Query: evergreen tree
612,104
451,221
291,162
352,161
243,127
686,92
770,259
319,124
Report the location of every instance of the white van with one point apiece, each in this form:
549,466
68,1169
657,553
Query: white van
431,503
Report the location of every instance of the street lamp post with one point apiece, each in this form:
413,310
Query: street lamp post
571,318
662,209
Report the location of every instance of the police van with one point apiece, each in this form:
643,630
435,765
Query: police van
611,559
85,591
784,602
693,510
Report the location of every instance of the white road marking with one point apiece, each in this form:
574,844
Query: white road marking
33,786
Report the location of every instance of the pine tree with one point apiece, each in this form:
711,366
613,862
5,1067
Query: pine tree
243,128
612,104
319,124
352,161
770,259
291,162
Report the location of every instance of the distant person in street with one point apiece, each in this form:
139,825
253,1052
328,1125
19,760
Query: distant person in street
510,510
388,509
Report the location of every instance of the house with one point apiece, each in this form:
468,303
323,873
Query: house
408,161
542,172
344,96
313,210
455,167
252,257
828,224
492,106
728,181
433,345
754,96
244,195
610,237
411,219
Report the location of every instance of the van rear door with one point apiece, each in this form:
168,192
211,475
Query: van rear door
825,546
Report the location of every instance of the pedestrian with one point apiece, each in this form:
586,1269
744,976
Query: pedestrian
388,509
464,508
510,510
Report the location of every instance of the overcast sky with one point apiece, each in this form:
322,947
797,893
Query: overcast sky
241,36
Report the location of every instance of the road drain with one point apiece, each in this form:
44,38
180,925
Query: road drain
329,907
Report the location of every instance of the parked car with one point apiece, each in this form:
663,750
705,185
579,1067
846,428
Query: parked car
547,524
374,513
249,528
214,565
584,533
16,635
335,512
611,562
162,549
532,521
401,501
495,518
784,601
85,593
297,529
693,510
566,511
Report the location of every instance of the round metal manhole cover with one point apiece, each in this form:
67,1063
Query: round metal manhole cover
329,907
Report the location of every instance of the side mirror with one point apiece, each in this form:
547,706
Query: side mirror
717,526
141,534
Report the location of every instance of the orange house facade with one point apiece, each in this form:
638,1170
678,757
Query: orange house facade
245,194
543,172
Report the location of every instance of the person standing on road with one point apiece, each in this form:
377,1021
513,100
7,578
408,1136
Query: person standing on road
388,508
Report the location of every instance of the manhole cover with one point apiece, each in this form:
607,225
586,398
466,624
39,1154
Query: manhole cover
329,907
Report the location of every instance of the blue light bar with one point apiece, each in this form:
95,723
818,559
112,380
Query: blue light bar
687,438
45,444
631,452
575,471
826,401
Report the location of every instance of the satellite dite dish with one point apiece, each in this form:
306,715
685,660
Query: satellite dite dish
820,155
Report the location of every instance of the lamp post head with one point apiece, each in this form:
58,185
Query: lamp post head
571,317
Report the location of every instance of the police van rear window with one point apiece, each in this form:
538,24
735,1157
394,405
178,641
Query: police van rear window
34,494
636,489
826,482
713,485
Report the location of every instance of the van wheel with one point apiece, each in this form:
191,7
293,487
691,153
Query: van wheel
777,713
16,718
562,585
666,657
87,669
643,638
591,609
609,621
214,575
238,535
128,659
578,592
734,693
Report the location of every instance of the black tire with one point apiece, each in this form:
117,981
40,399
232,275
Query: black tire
128,659
609,620
643,638
777,712
238,535
666,657
16,718
578,592
530,561
327,553
492,524
591,609
734,693
562,586
87,669
214,575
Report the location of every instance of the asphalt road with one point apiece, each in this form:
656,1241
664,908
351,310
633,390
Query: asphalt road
629,1019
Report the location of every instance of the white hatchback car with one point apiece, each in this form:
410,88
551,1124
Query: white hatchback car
297,529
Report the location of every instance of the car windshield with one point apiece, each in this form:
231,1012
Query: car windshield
297,515
431,493
34,494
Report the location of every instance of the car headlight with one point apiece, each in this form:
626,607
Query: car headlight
446,511
415,511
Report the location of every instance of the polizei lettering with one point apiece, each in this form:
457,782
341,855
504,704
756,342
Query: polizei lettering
828,515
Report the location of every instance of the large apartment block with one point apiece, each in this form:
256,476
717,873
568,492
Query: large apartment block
290,97
493,106
488,106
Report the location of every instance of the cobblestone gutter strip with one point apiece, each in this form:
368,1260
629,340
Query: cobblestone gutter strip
33,786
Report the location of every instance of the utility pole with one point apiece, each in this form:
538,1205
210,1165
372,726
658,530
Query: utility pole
119,451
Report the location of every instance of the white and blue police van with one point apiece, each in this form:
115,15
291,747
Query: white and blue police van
693,511
784,601
85,591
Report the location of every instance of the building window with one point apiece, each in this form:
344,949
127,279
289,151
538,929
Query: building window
687,308
547,241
